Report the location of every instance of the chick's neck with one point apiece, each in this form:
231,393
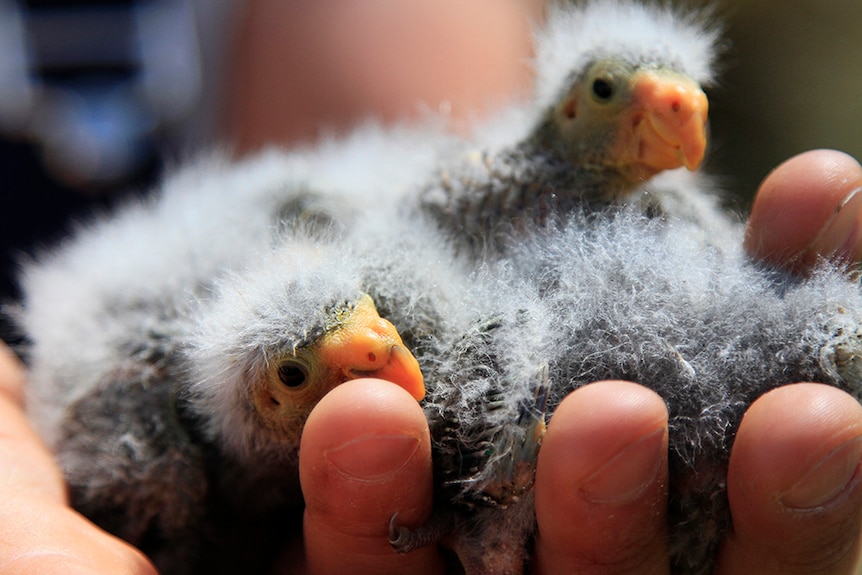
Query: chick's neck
490,198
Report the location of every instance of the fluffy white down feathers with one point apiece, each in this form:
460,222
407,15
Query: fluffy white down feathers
640,33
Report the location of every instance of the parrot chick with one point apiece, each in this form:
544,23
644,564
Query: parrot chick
172,377
186,445
135,328
650,300
618,100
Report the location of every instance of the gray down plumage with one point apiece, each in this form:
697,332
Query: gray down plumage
697,321
622,295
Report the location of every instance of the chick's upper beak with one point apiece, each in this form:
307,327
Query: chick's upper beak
367,345
667,127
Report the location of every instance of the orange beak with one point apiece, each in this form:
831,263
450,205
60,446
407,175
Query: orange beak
367,345
667,124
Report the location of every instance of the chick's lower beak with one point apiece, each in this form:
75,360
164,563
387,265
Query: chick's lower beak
366,345
667,127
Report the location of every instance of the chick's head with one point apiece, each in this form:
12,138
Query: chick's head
639,122
356,342
277,337
620,86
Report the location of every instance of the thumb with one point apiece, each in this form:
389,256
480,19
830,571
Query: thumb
365,455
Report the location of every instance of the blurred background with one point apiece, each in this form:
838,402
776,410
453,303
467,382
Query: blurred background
791,81
98,97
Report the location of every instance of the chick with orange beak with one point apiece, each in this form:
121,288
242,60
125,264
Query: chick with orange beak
618,100
191,445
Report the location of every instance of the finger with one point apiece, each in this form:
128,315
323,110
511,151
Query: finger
11,376
41,537
601,483
24,459
365,455
808,207
39,534
301,67
794,484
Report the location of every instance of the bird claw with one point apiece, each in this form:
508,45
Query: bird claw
400,538
404,540
842,357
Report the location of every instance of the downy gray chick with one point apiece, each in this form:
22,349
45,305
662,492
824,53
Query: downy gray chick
618,100
161,337
184,437
670,302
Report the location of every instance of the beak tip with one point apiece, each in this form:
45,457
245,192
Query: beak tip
694,156
404,371
693,163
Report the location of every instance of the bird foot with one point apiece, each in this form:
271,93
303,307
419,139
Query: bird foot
405,540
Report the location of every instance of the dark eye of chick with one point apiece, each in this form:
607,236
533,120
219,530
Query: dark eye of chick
602,90
291,375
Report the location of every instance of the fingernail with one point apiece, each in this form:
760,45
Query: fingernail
625,477
373,458
828,479
838,239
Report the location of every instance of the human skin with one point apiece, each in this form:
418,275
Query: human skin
802,214
39,532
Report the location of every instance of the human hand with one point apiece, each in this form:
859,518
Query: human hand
793,477
793,480
39,533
